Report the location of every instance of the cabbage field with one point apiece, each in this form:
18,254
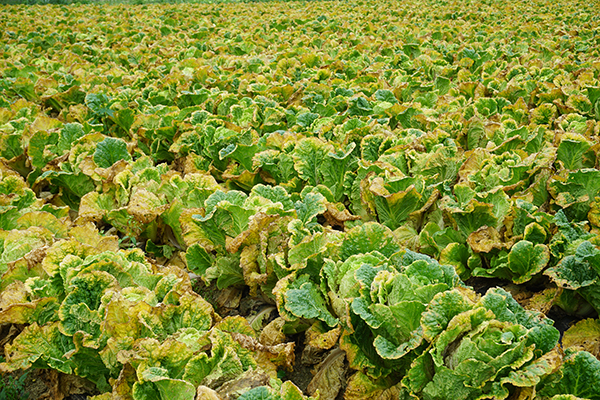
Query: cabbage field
291,200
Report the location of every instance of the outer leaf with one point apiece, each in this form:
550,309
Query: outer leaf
329,378
366,238
308,156
39,346
526,260
394,208
580,372
306,301
109,151
571,150
361,387
162,388
584,335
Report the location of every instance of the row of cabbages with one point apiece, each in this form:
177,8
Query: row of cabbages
499,220
406,324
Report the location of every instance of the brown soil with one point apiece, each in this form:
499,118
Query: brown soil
45,384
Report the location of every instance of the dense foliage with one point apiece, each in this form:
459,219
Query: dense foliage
354,165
